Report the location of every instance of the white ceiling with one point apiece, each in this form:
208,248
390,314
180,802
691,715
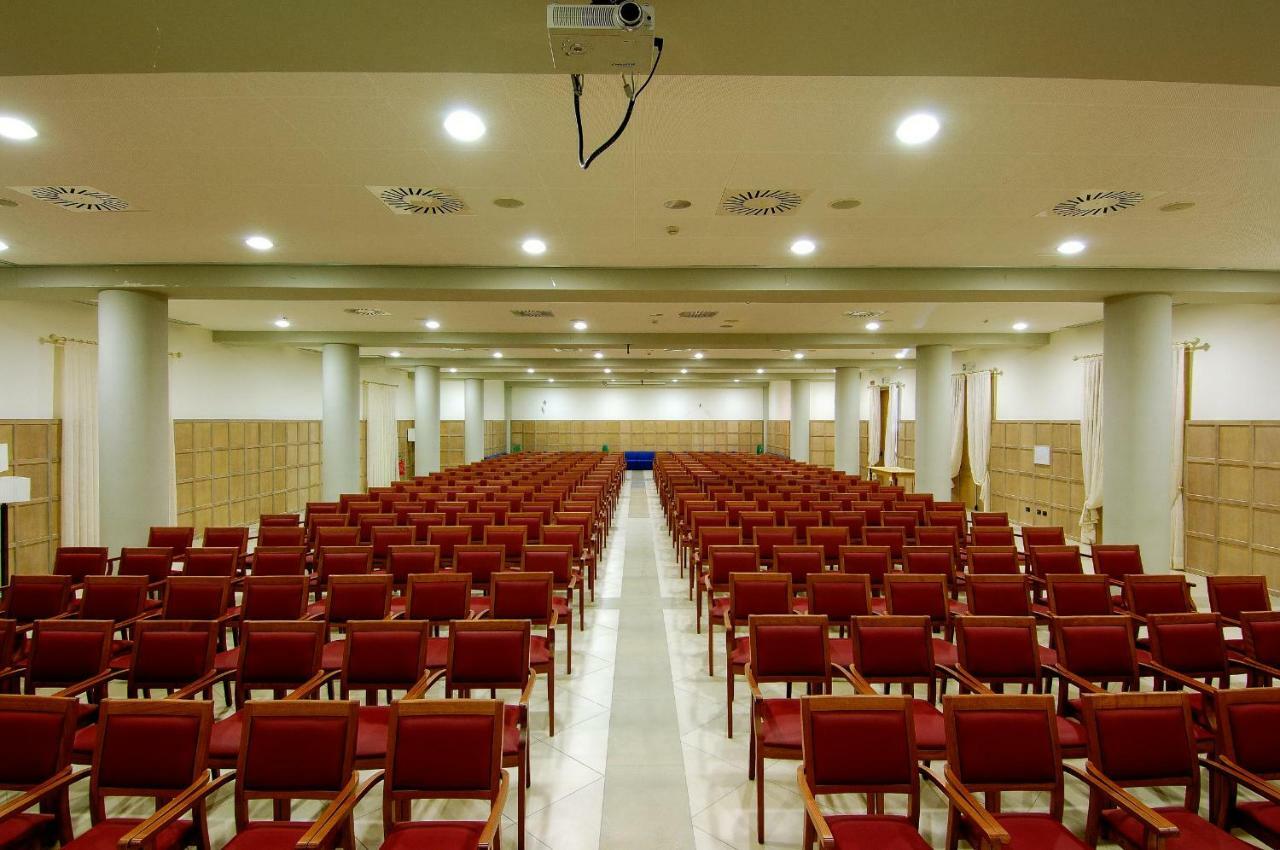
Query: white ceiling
207,159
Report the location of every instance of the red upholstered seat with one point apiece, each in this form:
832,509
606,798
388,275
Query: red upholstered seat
479,605
944,653
875,832
718,607
106,835
22,829
371,731
332,654
224,737
780,723
437,652
1194,832
931,732
434,835
561,606
227,659
842,652
539,652
1039,831
1071,733
268,835
1260,813
741,651
510,730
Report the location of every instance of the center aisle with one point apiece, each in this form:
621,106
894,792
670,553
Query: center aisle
646,802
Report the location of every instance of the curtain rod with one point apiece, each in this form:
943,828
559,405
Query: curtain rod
381,384
55,339
887,384
1188,344
1087,356
993,371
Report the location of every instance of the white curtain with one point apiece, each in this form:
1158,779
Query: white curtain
1176,516
891,427
979,422
381,444
79,403
873,426
957,424
1091,448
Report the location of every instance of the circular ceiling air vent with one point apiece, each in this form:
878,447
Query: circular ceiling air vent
76,198
416,200
367,312
1098,203
761,202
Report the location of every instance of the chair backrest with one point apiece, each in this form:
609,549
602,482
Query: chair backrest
871,511
80,561
993,560
726,559
918,594
114,598
511,538
476,522
1248,727
929,560
274,598
873,561
748,520
383,537
448,538
572,535
442,748
154,563
1191,644
488,654
549,557
906,520
798,561
1231,596
947,519
893,648
498,509
861,744
295,749
991,535
998,519
1098,648
758,593
790,648
521,596
278,521
438,597
480,560
1035,536
37,733
1158,594
235,537
281,535
830,538
278,561
1142,739
1005,743
384,655
895,537
1079,595
999,650
404,561
1117,560
1049,560
277,656
196,598
336,535
37,597
767,537
172,653
172,734
211,562
530,521
1261,630
176,538
838,596
999,596
358,597
65,652
343,561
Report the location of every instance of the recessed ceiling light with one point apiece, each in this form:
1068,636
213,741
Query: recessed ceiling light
900,355
579,325
684,371
675,380
453,369
599,355
802,247
464,125
508,203
698,355
677,204
608,371
432,325
917,129
872,326
1177,206
4,246
259,243
1071,246
736,381
1020,326
282,322
551,380
16,129
534,246
393,353
497,355
799,355
529,371
759,371
845,204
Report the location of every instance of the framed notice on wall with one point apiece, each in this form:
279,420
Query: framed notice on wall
1040,456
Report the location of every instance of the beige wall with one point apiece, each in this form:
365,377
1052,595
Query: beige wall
34,450
624,435
1037,495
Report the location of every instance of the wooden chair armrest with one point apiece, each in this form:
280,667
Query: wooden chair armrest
1151,820
527,693
966,680
34,795
488,835
324,832
204,682
1083,685
10,672
813,813
1254,665
1181,678
752,684
308,688
144,834
135,619
92,682
1247,778
420,688
974,814
861,685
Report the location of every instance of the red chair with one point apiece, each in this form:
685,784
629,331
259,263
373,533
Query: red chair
1000,596
932,560
997,744
989,519
215,562
480,562
121,600
1145,595
531,521
177,539
498,509
911,595
572,535
476,522
1116,561
993,560
335,535
278,561
235,537
1231,596
510,537
349,599
830,539
906,520
381,655
278,521
1079,596
991,535
949,519
77,562
470,732
281,535
788,649
871,511
37,734
799,562
750,594
494,655
448,538
272,598
198,598
802,522
839,597
1261,638
894,537
873,561
714,586
404,561
1247,759
558,560
1093,653
438,599
855,521
154,563
708,536
340,561
1145,740
31,598
383,537
527,596
866,745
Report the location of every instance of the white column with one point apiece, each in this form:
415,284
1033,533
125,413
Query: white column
933,420
1137,427
133,416
340,434
506,415
764,417
473,424
426,420
848,419
800,420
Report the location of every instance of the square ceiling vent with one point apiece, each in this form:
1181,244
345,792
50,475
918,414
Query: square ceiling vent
75,198
420,200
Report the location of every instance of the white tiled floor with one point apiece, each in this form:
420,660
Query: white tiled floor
633,740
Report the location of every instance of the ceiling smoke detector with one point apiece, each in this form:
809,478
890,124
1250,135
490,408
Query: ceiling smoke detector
1098,203
75,198
761,202
416,200
533,314
698,314
367,312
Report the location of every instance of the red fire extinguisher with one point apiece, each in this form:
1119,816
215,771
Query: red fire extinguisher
400,466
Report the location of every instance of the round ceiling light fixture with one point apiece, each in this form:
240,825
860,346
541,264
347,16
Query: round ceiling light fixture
432,325
759,371
497,355
259,243
698,355
1020,326
453,370
508,203
282,322
918,128
4,246
677,204
15,129
684,371
393,353
799,355
579,325
803,247
464,125
529,371
900,355
1178,206
608,371
845,204
534,246
551,380
872,326
599,355
1071,246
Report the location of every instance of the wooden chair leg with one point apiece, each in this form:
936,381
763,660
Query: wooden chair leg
759,765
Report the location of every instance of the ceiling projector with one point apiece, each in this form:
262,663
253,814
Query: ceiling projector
601,38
